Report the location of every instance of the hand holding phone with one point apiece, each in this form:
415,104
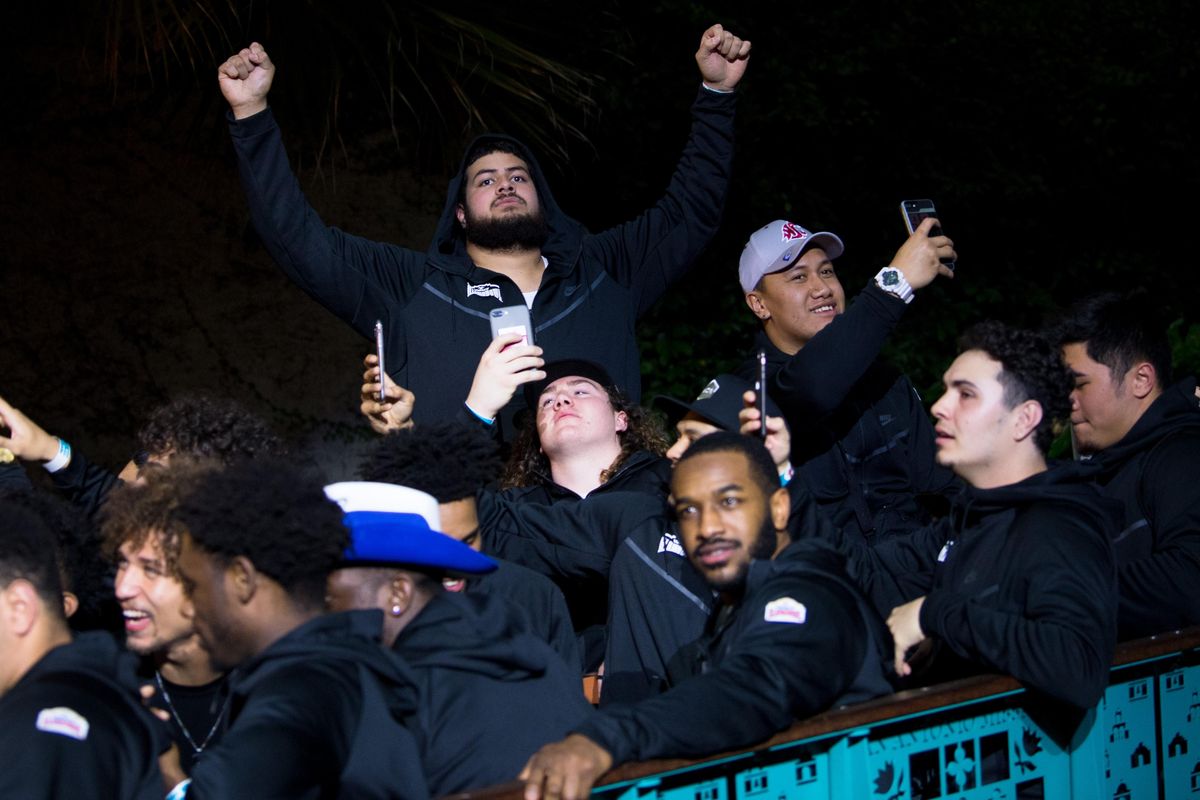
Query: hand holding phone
760,389
511,319
379,355
914,213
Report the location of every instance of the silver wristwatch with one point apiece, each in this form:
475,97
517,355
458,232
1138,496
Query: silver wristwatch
892,281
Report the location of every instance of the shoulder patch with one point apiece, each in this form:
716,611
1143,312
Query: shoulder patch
63,721
669,543
785,609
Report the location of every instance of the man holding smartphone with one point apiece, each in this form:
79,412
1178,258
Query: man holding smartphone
502,239
861,437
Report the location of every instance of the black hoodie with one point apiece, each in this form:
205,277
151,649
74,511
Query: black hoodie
1020,579
319,714
801,640
861,436
1153,472
490,692
73,726
434,305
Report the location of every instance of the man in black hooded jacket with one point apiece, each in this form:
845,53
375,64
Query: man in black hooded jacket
1020,577
317,709
1144,435
501,241
789,636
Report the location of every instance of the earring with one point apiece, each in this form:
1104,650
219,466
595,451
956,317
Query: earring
396,610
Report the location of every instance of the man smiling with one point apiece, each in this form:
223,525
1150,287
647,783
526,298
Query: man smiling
143,540
860,435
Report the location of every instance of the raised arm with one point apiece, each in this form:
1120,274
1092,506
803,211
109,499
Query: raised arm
357,279
654,250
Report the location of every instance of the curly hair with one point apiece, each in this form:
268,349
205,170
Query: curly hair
27,552
1118,331
82,571
1031,369
528,466
272,513
448,460
207,427
133,514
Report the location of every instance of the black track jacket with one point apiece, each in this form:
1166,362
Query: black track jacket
319,714
1153,471
802,639
73,727
434,305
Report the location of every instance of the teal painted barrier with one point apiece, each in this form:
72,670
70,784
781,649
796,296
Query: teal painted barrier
1141,743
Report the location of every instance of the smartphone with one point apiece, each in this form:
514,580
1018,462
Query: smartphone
379,355
511,319
914,212
760,391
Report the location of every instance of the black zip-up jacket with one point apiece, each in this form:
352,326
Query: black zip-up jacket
73,726
434,305
802,639
320,713
538,599
623,545
1020,579
1153,472
490,693
861,437
587,601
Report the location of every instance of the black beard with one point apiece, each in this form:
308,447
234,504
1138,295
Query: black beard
510,232
762,549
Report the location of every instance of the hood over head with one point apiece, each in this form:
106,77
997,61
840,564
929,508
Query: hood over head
448,249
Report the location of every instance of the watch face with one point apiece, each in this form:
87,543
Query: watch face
891,277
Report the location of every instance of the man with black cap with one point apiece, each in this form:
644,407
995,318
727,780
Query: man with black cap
491,693
861,437
502,240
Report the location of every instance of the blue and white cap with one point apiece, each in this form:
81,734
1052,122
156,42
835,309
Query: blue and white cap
397,526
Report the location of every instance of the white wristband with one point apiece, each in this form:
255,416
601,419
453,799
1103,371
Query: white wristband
61,458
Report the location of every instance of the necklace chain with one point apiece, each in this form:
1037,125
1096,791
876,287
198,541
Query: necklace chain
196,748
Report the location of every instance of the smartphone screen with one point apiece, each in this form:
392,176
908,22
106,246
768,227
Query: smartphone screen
379,355
914,213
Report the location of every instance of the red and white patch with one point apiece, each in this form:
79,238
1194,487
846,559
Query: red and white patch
785,609
791,232
63,721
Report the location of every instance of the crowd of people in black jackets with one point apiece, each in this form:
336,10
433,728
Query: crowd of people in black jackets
529,581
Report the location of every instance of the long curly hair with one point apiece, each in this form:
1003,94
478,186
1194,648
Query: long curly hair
528,466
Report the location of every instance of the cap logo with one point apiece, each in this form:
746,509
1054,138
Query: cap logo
792,232
712,388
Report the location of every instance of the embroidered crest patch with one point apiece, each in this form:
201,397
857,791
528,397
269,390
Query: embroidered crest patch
63,721
791,231
484,290
785,609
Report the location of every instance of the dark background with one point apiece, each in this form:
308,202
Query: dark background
1057,140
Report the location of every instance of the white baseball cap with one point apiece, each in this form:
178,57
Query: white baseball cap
776,245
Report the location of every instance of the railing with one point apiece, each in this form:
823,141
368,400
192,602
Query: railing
968,740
